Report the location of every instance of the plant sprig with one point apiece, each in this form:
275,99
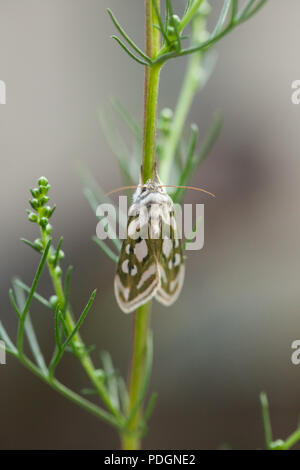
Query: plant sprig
171,28
125,408
66,328
278,444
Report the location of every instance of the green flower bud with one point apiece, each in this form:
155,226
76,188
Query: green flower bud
176,20
35,192
44,200
32,217
52,258
38,244
34,203
47,211
48,229
164,121
170,31
61,254
276,445
42,181
44,222
53,301
99,373
166,114
58,271
44,189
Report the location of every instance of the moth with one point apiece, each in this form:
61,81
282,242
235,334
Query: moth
151,262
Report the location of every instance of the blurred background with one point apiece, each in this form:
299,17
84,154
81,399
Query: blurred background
229,335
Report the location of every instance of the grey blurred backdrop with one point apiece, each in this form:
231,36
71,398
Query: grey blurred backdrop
229,335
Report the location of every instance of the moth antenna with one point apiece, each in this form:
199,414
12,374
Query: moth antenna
142,174
121,188
155,172
189,187
156,175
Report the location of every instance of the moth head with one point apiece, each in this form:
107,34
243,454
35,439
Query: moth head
150,187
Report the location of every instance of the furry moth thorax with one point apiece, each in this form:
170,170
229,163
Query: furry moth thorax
152,192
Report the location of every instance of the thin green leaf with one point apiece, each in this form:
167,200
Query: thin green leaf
13,303
80,320
127,38
111,379
27,242
67,290
58,336
222,17
58,353
161,24
36,296
254,10
187,6
52,210
148,412
234,9
57,251
34,346
243,13
150,407
29,330
4,336
123,394
29,299
189,14
139,61
266,419
106,249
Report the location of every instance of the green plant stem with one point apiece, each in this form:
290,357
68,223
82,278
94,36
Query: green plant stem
189,15
131,440
77,343
151,88
291,440
266,419
187,93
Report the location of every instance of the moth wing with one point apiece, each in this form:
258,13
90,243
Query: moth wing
171,266
137,278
